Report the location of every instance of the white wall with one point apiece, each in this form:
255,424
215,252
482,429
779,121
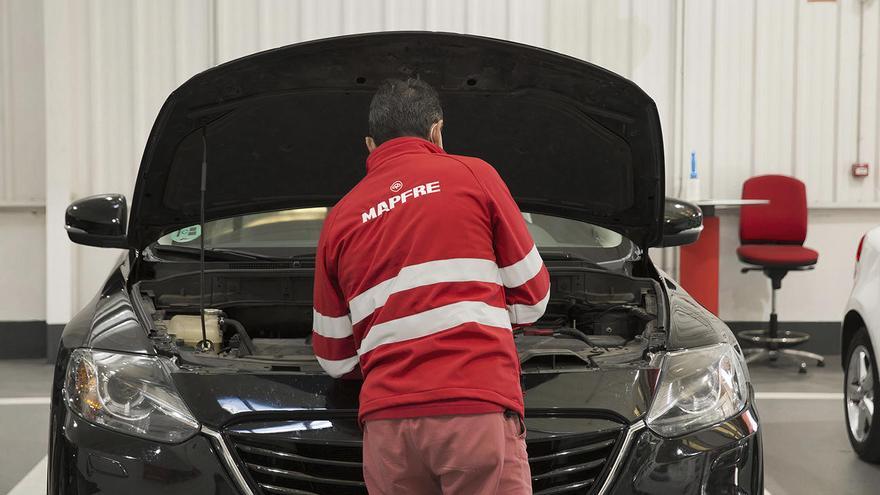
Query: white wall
22,265
751,86
22,161
816,295
774,87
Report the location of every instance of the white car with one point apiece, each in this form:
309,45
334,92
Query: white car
860,339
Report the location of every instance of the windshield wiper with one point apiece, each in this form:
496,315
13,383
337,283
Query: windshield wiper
245,254
568,256
215,253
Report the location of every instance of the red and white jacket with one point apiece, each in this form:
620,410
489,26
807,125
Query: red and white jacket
421,271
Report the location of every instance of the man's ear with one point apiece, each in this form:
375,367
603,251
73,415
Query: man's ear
436,133
371,143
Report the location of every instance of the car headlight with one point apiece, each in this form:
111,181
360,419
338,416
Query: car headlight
698,388
128,393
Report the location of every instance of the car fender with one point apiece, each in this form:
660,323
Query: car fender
864,299
690,324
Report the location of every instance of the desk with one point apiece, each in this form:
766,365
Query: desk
699,261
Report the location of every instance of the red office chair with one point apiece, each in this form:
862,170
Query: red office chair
772,238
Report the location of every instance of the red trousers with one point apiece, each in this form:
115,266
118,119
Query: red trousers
480,454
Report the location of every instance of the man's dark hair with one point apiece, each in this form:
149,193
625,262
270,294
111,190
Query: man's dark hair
403,108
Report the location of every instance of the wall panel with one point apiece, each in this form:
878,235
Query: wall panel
815,98
22,136
22,265
652,58
7,171
68,142
362,16
194,29
730,157
154,40
609,31
110,126
405,14
773,104
111,75
848,189
697,93
869,104
279,23
487,18
22,162
238,29
567,32
320,18
527,22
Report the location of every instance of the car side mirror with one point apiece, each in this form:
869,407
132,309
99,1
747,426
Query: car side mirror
682,223
98,221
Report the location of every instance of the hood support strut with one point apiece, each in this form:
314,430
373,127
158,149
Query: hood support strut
203,345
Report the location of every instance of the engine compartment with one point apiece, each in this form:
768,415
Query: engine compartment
263,316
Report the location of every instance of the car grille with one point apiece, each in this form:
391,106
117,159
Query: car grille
566,456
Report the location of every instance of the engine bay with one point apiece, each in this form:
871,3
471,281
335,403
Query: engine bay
262,316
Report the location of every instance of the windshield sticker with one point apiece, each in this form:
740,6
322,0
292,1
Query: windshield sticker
187,234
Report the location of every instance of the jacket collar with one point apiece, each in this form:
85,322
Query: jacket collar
399,146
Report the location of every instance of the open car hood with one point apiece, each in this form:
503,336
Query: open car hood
284,128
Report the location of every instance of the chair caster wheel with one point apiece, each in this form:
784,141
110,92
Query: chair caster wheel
820,364
803,369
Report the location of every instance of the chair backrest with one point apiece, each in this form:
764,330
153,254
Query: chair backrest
783,220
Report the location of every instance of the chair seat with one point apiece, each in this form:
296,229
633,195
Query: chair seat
777,255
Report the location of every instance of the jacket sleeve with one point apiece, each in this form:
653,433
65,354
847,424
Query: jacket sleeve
332,337
525,278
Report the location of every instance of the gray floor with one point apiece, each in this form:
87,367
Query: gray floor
23,428
805,445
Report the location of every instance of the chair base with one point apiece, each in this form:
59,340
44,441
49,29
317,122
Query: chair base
782,338
754,354
772,342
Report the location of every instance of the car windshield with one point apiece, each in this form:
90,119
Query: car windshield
288,233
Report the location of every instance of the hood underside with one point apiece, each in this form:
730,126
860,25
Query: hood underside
284,129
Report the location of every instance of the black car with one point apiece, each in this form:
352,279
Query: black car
191,370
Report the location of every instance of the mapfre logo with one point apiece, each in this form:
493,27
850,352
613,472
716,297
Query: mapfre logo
399,198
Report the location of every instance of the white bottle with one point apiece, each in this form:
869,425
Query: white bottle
188,328
692,188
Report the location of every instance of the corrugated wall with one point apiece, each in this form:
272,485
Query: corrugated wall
776,87
22,130
22,161
763,86
751,86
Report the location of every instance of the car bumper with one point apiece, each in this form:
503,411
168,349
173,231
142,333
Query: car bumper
726,458
97,460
